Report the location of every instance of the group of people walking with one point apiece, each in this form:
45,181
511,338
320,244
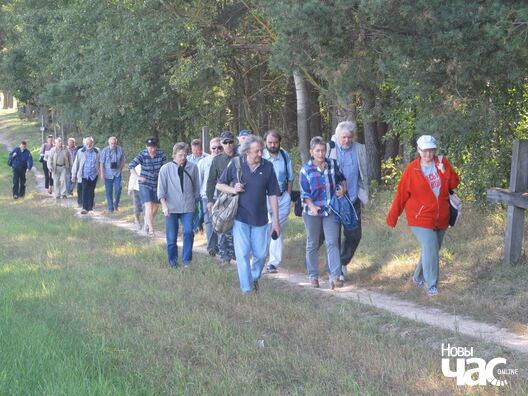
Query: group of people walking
260,172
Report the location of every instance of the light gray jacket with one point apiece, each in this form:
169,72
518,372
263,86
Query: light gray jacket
169,187
80,159
363,191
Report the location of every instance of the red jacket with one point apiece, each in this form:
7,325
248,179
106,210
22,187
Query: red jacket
414,194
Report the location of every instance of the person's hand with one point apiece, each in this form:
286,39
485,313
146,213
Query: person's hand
239,187
275,227
73,179
165,211
130,192
210,206
141,178
314,210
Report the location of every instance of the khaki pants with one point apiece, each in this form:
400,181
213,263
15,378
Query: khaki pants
59,178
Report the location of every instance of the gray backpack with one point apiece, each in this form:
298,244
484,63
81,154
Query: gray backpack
226,206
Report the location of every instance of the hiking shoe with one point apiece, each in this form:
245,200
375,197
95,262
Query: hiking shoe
315,283
84,211
416,282
272,269
173,264
337,284
341,278
212,252
15,196
432,291
256,285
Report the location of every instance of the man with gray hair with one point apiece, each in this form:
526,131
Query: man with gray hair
86,168
204,166
59,164
250,231
112,160
351,157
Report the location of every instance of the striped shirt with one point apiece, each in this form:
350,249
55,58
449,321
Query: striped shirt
319,185
149,167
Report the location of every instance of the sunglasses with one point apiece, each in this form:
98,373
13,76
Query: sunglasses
216,147
228,142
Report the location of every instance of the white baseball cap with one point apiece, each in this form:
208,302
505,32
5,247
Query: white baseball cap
425,142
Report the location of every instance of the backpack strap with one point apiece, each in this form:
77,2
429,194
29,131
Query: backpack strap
285,165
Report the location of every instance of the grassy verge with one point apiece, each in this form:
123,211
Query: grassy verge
90,309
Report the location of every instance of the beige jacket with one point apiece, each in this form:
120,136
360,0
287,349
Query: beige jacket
59,157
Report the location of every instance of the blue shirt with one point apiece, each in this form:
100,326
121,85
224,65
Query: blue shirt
349,166
319,185
283,170
107,157
150,167
195,160
252,204
90,166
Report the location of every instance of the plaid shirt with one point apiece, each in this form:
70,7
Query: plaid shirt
149,167
319,185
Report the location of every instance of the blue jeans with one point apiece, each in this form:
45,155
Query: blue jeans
250,242
171,232
330,228
428,266
113,186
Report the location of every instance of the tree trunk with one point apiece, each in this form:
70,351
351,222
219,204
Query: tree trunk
371,135
314,115
343,109
302,115
4,101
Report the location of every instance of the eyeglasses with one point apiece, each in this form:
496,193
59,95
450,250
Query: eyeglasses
228,142
216,147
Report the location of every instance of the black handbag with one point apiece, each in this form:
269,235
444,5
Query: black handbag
297,203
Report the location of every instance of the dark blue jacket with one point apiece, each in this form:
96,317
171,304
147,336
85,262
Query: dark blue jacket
20,160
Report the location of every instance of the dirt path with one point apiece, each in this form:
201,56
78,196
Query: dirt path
431,316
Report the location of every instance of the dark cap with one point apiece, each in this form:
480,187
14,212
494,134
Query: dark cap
152,142
227,136
245,132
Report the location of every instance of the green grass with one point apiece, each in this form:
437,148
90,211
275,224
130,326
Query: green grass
91,309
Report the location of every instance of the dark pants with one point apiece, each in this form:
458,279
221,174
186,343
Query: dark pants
48,180
88,193
351,240
19,182
79,193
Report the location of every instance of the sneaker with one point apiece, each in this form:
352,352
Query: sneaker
15,196
432,291
272,269
212,253
173,264
84,211
185,265
337,284
315,283
416,282
341,278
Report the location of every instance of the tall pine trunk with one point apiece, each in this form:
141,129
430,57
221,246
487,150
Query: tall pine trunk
302,115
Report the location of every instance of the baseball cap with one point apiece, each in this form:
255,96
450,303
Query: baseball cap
425,142
227,136
245,132
151,141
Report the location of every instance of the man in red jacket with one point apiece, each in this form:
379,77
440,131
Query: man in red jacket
423,192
